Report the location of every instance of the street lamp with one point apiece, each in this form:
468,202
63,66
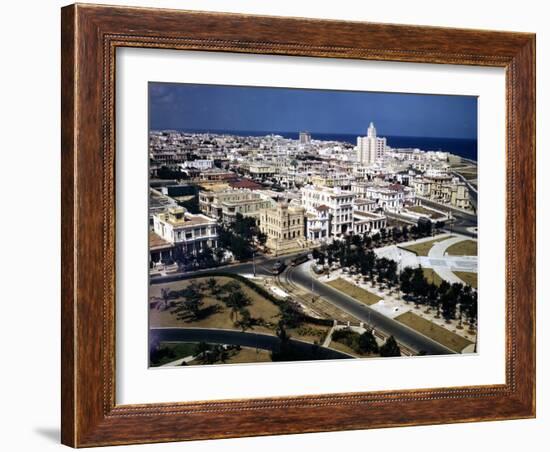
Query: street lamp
312,290
254,263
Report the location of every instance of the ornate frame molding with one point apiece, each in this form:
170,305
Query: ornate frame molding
90,36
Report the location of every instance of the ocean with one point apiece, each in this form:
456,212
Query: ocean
466,148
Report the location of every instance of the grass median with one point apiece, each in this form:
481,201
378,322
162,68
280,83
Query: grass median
469,278
423,248
437,333
464,248
362,295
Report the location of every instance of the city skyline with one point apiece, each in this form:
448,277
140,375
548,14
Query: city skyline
289,110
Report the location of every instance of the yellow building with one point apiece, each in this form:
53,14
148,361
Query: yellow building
284,227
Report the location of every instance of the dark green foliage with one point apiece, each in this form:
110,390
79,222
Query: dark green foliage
367,343
390,348
363,344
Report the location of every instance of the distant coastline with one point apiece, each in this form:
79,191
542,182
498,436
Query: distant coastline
466,148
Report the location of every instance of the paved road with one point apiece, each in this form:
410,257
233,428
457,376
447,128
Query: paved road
462,220
230,337
404,335
299,275
262,263
445,266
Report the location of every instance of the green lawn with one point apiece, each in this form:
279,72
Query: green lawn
423,248
437,333
362,295
464,248
470,278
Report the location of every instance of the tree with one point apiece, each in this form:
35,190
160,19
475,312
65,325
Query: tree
448,306
205,257
291,317
390,348
191,303
201,350
245,322
396,233
367,241
419,284
212,285
262,238
367,343
220,254
405,280
236,301
165,294
405,232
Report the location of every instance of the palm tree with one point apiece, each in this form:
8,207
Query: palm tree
165,294
236,301
212,285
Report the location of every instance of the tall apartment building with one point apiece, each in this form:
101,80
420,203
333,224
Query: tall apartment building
370,148
305,138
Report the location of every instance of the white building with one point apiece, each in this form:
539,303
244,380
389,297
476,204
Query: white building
370,148
305,138
201,164
386,196
184,230
317,224
339,203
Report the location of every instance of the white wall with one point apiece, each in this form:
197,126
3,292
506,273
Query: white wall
29,103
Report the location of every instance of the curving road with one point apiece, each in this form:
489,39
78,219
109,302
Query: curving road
299,275
402,334
232,337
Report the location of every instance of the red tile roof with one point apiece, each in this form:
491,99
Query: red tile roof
243,183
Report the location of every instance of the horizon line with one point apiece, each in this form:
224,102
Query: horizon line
267,132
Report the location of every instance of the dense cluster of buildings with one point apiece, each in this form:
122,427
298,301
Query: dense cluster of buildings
299,191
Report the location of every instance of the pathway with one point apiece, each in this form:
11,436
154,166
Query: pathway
445,266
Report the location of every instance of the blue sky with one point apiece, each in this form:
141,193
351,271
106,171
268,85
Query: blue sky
238,108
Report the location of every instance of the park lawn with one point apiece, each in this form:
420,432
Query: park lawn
431,276
437,333
423,248
344,348
423,210
242,356
259,308
470,278
362,295
178,350
250,355
464,248
309,332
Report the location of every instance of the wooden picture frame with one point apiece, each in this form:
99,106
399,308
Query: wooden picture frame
90,36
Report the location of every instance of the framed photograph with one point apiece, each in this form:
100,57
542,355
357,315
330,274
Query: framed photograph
281,225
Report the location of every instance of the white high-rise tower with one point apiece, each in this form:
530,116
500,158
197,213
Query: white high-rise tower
371,147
